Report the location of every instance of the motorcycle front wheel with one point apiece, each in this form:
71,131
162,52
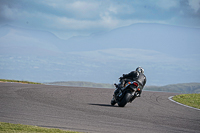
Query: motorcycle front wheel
113,102
125,100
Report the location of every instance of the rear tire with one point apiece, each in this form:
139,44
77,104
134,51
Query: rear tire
125,100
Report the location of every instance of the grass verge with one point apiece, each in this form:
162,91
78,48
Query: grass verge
17,81
18,128
192,100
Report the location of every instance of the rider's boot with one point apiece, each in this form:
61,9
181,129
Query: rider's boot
139,93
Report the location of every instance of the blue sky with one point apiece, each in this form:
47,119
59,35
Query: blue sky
67,18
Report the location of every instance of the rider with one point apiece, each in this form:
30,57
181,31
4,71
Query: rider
137,75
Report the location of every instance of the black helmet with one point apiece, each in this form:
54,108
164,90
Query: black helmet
140,70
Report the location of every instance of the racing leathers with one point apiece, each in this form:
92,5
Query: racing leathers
132,76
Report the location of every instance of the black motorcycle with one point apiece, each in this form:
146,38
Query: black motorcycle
126,94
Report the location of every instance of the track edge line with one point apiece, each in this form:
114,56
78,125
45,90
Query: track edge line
170,98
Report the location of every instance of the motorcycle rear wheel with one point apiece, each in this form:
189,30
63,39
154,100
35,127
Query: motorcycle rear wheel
125,100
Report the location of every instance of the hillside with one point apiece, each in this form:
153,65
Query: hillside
177,88
81,84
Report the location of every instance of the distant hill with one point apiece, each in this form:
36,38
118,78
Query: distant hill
81,84
176,88
21,41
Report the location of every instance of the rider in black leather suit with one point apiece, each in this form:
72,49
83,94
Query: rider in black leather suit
137,75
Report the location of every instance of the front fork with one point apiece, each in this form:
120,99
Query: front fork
118,95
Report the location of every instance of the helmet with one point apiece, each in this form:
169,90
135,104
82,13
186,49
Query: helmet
140,69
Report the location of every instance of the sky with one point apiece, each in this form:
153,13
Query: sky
68,18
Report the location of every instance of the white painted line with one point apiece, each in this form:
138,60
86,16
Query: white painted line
170,98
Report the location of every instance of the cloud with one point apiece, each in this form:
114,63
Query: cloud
195,4
167,4
8,13
88,16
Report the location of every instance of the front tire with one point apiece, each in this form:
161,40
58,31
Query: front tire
113,102
125,100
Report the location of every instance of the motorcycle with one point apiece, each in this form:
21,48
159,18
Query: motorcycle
128,93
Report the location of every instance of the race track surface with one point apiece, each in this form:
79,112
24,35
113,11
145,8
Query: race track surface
89,110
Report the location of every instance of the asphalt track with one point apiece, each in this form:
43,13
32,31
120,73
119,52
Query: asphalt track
89,110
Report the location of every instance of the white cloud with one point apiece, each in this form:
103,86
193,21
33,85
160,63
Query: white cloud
84,6
195,4
76,9
73,24
113,9
167,4
107,20
89,16
128,54
9,13
121,9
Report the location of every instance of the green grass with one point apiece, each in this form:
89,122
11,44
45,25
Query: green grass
192,100
17,81
18,128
